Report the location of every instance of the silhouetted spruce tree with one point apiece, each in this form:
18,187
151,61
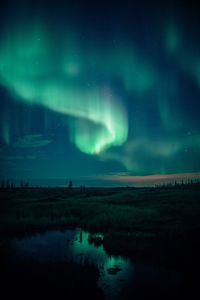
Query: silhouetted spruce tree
70,184
3,184
21,184
7,183
12,185
27,184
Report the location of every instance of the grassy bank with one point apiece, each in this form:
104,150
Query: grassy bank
155,211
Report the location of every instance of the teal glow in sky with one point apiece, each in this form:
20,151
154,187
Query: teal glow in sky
27,69
89,89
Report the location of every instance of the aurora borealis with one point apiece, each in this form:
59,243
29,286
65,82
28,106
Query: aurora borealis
28,71
95,90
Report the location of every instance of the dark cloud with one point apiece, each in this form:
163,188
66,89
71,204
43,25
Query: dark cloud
32,141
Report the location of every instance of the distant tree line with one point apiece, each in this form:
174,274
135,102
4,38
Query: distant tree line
183,184
8,184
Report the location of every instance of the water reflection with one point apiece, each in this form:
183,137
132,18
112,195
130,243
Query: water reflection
76,245
117,274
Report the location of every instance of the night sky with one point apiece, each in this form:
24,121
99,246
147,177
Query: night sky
99,92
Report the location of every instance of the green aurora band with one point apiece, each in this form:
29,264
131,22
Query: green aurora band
32,69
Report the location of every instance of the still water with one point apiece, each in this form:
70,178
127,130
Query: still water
117,273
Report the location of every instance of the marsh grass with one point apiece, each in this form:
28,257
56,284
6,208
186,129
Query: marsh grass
142,210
